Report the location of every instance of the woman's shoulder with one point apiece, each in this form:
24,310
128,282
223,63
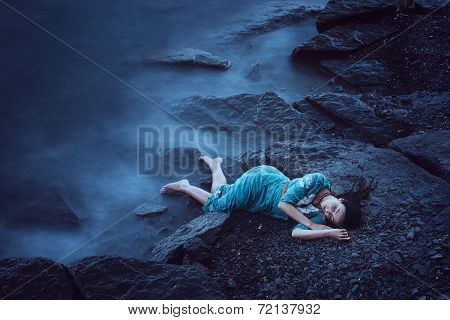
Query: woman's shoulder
312,179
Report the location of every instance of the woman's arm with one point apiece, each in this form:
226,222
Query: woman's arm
310,234
291,211
338,234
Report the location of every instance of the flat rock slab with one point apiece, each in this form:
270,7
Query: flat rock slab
419,111
374,118
150,208
108,277
264,113
366,73
428,150
194,57
270,16
34,279
354,112
341,41
339,12
206,227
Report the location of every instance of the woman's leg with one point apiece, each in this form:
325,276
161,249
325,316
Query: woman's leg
183,186
218,178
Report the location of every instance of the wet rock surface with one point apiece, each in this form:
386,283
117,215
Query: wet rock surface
35,279
263,113
367,73
110,277
205,227
339,42
339,12
271,16
150,208
375,118
353,111
428,150
194,57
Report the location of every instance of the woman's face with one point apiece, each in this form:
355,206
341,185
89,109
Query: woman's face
333,210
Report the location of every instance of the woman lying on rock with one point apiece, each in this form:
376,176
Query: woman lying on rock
265,189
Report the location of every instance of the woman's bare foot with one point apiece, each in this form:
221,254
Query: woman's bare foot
212,163
175,186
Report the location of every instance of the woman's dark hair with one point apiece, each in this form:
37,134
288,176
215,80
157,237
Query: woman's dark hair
352,201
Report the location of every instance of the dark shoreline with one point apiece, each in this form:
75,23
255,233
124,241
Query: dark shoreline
249,256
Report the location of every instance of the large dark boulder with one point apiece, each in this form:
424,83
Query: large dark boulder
351,110
359,74
268,17
205,227
50,210
34,279
375,118
431,151
110,277
246,115
194,57
339,12
341,41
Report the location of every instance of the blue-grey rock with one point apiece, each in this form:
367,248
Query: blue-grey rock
205,227
270,16
244,115
112,277
194,57
339,42
429,150
366,73
34,279
339,12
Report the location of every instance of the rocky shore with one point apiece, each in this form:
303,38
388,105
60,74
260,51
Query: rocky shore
386,118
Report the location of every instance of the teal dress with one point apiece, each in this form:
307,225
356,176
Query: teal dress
260,190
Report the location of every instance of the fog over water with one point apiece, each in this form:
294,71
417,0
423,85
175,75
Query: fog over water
68,124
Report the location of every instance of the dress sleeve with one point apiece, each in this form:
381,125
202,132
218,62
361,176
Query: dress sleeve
304,187
296,191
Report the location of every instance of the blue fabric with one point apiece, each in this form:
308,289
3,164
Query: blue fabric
259,190
301,191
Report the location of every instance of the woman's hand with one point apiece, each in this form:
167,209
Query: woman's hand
339,234
316,226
